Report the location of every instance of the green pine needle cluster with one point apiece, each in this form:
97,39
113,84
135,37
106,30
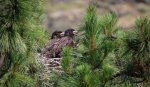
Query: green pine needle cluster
107,56
21,35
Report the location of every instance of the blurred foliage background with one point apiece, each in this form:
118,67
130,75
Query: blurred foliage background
63,14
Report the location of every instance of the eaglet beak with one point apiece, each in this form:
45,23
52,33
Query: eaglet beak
62,34
75,32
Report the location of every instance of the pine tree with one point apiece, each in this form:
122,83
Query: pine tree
106,56
91,66
137,52
20,36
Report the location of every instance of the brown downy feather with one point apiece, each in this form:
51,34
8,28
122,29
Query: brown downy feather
65,41
54,48
48,51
